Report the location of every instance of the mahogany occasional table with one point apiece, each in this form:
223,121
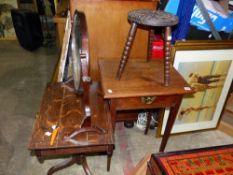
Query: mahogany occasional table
62,107
142,87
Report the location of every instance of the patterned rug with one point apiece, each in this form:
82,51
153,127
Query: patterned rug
206,161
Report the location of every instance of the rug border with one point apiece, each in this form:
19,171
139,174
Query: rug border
157,156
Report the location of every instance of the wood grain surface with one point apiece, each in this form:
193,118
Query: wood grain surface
140,79
63,108
108,28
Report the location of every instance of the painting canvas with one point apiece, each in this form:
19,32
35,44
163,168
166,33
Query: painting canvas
6,26
210,73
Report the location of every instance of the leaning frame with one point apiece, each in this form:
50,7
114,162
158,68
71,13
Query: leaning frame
207,66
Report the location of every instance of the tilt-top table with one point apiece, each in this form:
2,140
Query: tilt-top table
62,107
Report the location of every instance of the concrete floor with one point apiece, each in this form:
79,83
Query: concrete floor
23,76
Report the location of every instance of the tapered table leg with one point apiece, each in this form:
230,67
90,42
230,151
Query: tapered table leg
113,113
170,122
149,115
109,158
39,157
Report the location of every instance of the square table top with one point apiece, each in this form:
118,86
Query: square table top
140,78
63,107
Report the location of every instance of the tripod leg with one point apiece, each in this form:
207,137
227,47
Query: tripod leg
81,160
62,165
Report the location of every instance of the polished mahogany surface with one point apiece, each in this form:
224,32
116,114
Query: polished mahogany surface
142,87
63,108
140,78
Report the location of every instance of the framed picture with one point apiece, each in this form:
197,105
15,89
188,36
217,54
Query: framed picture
6,26
207,66
61,72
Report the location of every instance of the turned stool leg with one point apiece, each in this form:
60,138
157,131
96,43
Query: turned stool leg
167,50
151,38
125,54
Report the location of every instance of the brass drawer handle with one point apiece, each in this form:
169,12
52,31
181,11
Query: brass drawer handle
148,99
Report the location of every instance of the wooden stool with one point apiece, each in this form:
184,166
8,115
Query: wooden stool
149,18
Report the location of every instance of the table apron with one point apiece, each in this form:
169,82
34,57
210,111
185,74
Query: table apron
133,103
70,151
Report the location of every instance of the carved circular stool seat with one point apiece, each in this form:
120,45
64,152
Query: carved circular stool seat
153,18
150,18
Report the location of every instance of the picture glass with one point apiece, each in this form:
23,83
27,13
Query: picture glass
210,73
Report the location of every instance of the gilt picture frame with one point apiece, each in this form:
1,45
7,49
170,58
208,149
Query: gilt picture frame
208,67
61,72
7,31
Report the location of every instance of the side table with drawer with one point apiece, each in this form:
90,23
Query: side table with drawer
142,87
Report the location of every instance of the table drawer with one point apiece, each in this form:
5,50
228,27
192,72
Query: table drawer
148,102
